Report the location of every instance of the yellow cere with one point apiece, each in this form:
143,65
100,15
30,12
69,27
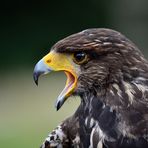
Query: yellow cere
58,61
62,62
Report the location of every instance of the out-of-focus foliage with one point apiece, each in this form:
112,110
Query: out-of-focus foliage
27,31
27,113
29,28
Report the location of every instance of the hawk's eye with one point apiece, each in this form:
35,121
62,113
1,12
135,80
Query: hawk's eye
80,57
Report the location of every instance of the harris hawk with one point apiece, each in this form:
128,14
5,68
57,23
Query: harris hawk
110,75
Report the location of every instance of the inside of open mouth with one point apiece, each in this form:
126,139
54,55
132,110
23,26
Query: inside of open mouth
67,91
70,82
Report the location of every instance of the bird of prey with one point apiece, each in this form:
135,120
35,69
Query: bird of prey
110,75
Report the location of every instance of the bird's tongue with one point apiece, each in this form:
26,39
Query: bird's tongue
70,80
67,91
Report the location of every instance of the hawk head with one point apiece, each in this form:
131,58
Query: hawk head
93,60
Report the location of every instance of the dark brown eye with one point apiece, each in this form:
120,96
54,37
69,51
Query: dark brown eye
80,57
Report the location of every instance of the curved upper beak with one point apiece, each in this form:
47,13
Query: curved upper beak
40,69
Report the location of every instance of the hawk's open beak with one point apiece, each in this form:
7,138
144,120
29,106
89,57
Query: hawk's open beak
57,62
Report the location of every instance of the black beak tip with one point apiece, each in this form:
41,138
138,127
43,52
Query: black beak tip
58,105
36,82
35,77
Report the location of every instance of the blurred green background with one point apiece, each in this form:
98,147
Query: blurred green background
27,31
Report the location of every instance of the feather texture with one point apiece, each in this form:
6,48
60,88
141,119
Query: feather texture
113,86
